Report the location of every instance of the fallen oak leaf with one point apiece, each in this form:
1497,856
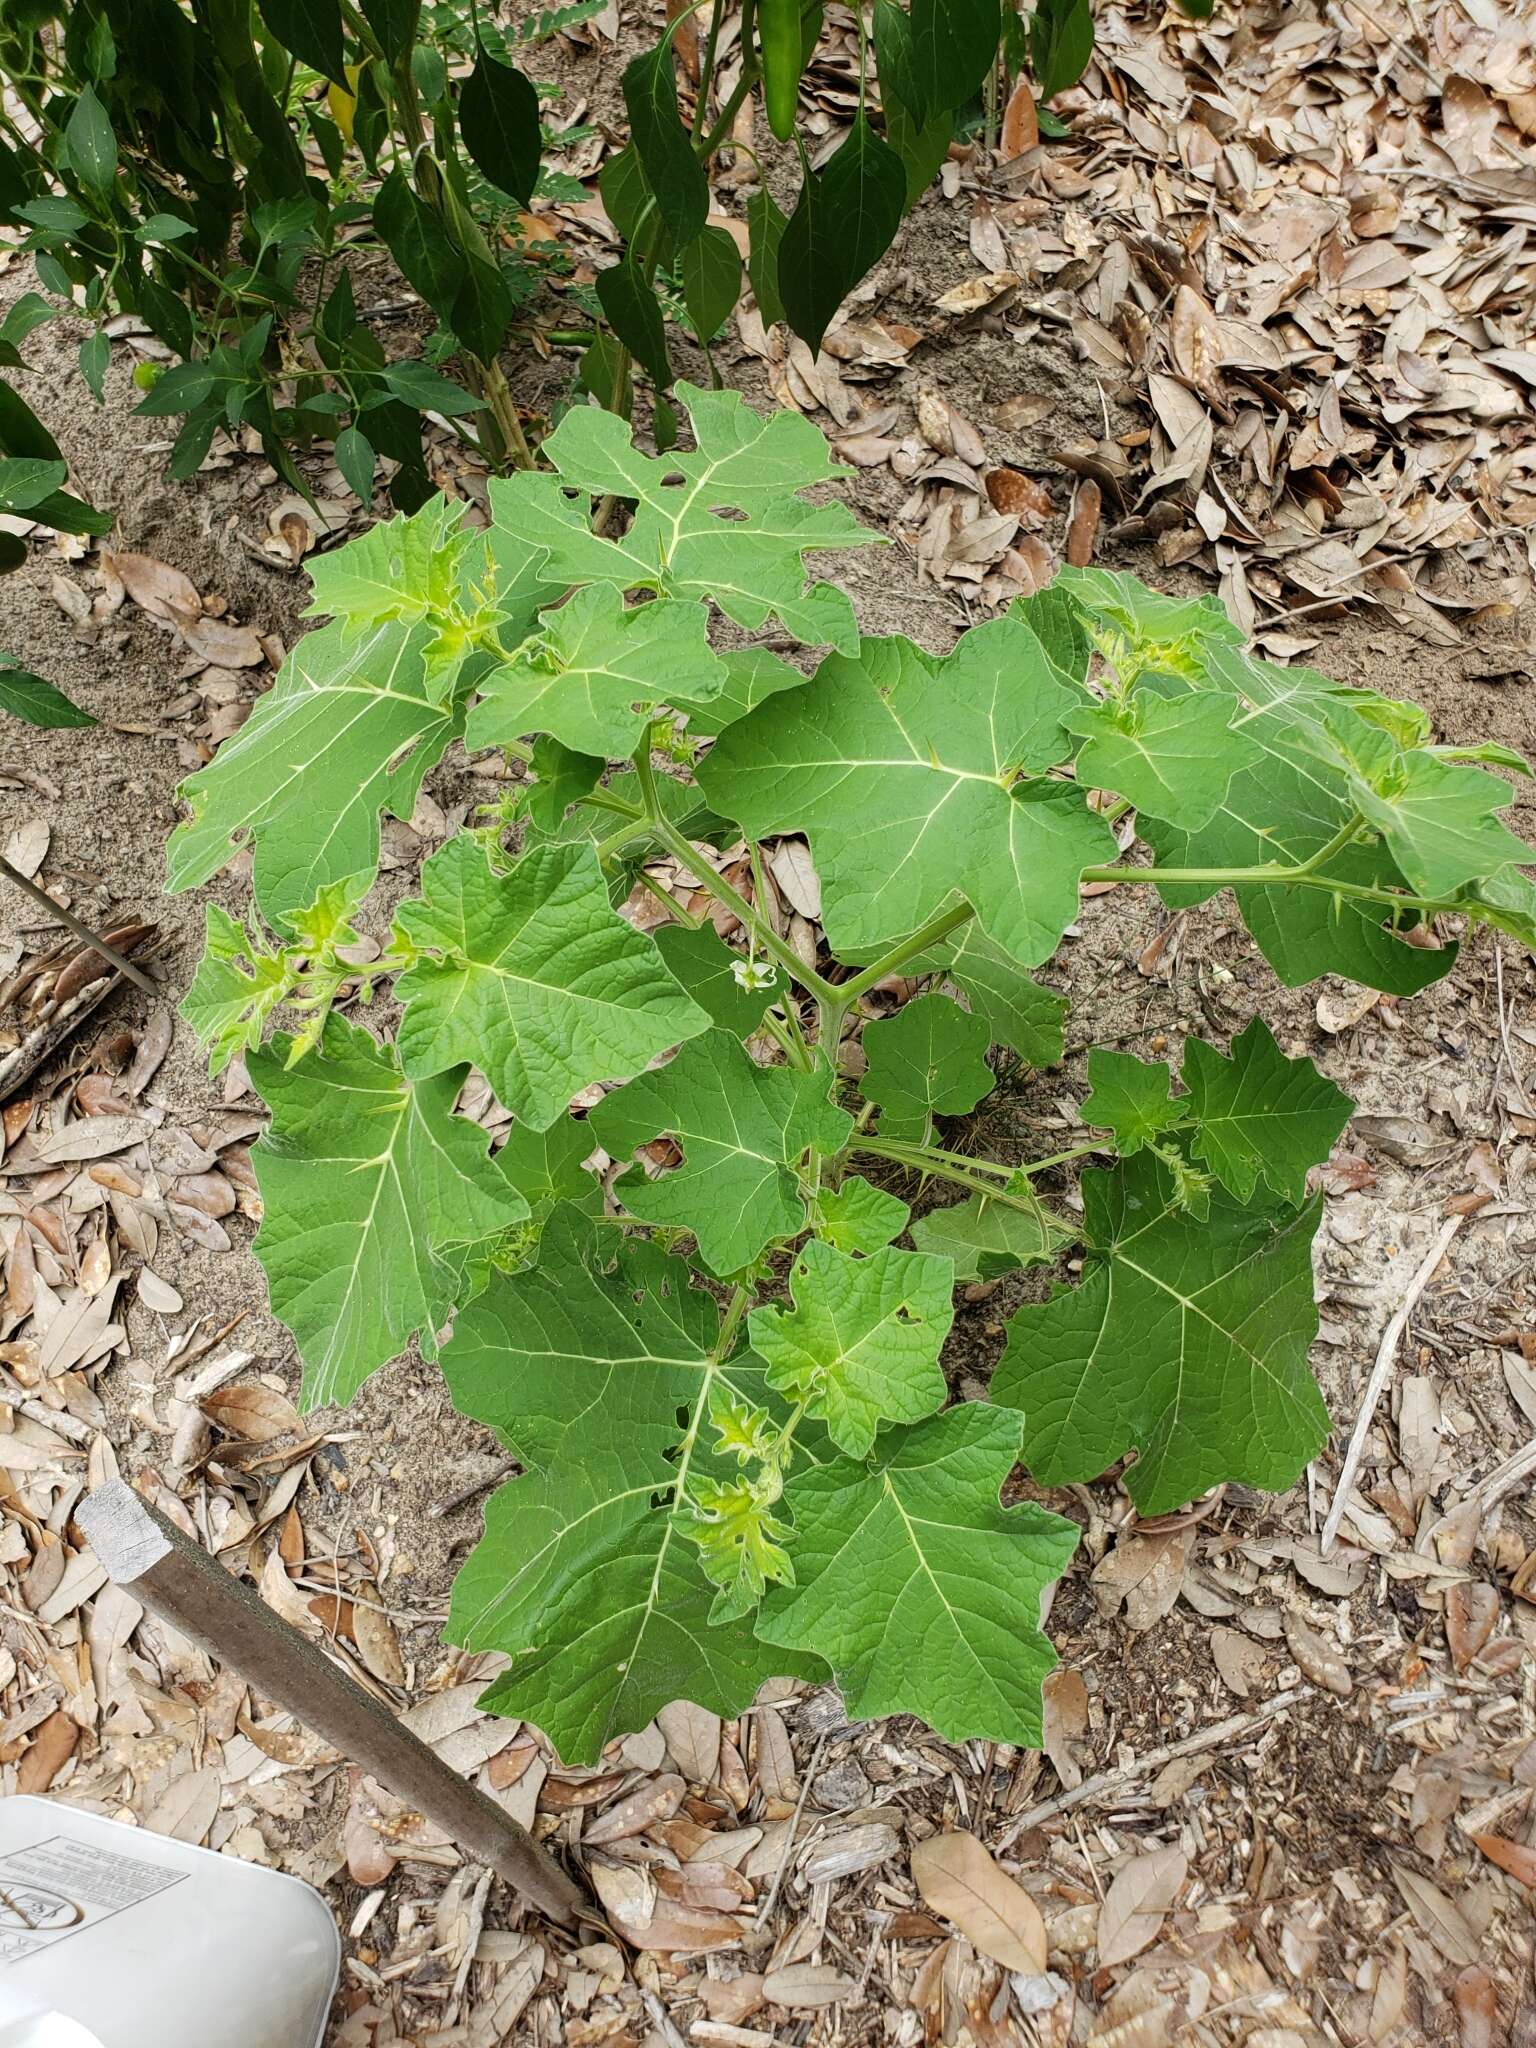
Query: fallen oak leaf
960,1880
1515,1859
1135,1903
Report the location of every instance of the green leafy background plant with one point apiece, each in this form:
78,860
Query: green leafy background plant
723,1380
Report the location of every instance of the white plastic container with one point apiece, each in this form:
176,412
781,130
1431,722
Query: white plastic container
114,1938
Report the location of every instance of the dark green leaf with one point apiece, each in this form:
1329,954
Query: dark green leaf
629,304
711,270
34,700
934,58
181,388
414,235
394,24
672,169
311,30
95,354
499,121
766,222
843,223
624,192
921,149
26,481
90,147
1060,44
428,390
21,431
482,309
355,458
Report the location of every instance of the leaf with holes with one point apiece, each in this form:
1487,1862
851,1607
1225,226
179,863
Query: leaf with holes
743,1131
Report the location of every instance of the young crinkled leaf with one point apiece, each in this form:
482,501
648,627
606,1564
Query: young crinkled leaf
531,977
929,1060
857,1217
374,1193
597,1369
1186,1339
917,1586
919,781
986,1237
1142,630
742,1130
405,568
596,672
679,544
1260,1114
861,1345
348,730
237,987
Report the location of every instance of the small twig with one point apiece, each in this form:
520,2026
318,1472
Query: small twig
1503,1478
766,1908
466,1494
82,932
1126,1774
1381,1371
1514,1071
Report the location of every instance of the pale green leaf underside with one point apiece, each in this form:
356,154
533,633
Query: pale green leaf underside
348,730
742,1130
861,1344
531,977
919,1589
595,1368
987,1238
1186,1340
374,1194
918,782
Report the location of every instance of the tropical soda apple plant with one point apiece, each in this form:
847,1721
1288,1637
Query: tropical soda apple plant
724,1381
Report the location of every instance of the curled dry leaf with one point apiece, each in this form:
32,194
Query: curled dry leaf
1135,1903
256,1415
1019,497
959,1880
1471,1610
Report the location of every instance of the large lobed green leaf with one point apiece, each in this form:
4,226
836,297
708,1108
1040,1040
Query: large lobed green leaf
1186,1340
598,1369
374,1194
920,781
679,543
350,727
917,1586
531,977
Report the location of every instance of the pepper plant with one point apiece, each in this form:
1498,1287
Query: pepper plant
721,1363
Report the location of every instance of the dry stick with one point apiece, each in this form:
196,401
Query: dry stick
81,931
1117,1780
1381,1372
179,1582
